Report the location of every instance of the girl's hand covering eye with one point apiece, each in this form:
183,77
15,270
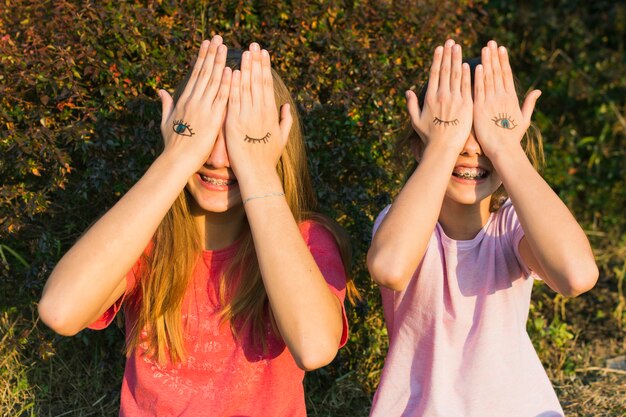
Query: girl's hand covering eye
446,114
191,127
498,119
255,135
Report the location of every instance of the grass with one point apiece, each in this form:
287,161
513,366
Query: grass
42,374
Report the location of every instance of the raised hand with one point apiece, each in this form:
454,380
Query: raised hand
446,116
190,127
255,136
499,121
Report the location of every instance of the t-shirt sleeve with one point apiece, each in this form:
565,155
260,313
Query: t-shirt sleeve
326,253
379,219
517,233
109,315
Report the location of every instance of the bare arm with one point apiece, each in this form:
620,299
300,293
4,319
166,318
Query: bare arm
308,314
554,244
402,238
91,275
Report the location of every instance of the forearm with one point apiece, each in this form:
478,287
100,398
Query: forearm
558,248
88,278
402,238
308,314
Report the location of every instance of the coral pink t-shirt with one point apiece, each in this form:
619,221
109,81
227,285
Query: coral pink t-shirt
458,341
221,376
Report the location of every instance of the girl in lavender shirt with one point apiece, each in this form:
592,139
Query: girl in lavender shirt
457,252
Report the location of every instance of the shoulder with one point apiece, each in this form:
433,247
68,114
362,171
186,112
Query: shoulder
318,235
506,220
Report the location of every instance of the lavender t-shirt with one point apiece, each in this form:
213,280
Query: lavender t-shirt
458,341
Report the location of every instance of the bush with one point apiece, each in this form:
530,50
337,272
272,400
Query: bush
80,116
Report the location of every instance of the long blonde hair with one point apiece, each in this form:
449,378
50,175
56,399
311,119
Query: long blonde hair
409,144
176,249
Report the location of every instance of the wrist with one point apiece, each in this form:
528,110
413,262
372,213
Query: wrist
510,161
175,165
260,183
441,152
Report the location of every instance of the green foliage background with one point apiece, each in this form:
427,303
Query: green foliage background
79,118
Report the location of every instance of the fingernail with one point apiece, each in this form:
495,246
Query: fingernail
205,44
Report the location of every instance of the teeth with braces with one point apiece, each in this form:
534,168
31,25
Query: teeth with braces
469,173
216,181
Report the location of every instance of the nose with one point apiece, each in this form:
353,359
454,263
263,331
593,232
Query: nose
219,155
471,147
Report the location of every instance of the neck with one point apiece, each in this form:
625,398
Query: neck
463,221
219,230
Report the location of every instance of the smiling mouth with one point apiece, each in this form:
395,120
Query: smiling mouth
217,181
467,173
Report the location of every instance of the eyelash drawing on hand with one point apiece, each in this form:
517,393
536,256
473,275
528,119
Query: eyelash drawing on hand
181,127
438,121
504,121
257,140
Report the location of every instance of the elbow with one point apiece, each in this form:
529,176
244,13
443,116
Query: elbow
580,280
53,317
387,274
316,356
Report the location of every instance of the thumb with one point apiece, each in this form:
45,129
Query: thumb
167,105
412,105
285,122
529,104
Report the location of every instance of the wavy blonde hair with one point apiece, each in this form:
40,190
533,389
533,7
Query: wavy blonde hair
169,265
409,143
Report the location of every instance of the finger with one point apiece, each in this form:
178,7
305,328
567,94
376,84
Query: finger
435,67
246,65
479,84
529,104
286,121
457,69
207,67
234,98
256,76
498,85
268,81
412,105
507,72
221,99
466,81
446,63
167,106
204,48
217,71
485,58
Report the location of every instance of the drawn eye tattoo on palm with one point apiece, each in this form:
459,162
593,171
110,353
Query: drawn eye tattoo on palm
445,123
504,121
264,139
182,128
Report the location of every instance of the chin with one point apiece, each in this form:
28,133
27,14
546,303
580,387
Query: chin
212,206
